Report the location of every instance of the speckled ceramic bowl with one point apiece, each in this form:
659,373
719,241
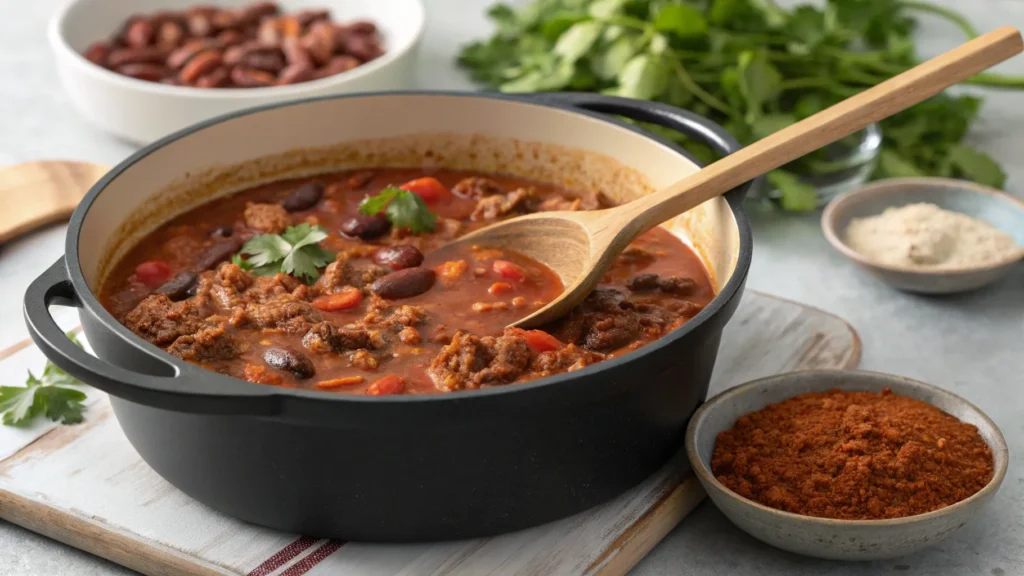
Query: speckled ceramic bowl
824,537
993,206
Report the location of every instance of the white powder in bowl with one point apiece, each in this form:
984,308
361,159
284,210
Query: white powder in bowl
926,236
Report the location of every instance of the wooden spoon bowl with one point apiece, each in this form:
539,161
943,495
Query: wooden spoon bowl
42,192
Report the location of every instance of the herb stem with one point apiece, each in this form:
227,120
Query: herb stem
695,89
968,29
817,82
993,80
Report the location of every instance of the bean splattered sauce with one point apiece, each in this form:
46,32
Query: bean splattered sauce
343,282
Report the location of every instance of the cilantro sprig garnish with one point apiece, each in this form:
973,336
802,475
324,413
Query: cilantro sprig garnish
402,208
54,394
296,252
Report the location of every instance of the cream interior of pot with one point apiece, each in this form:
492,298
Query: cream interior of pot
458,132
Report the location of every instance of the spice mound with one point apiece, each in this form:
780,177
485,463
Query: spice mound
852,456
926,236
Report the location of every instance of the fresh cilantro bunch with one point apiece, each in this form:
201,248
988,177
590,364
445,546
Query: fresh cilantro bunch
402,208
749,65
296,252
54,394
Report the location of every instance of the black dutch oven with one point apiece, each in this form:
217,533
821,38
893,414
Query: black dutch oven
401,468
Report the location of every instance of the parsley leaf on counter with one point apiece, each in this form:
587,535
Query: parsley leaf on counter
50,394
404,209
750,65
296,252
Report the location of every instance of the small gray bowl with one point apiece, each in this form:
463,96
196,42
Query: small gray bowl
825,537
993,206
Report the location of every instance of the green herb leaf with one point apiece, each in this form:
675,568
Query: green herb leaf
759,82
795,195
53,394
749,65
577,40
682,20
402,208
643,77
892,165
976,166
295,252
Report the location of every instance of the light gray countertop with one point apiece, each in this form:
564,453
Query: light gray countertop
971,344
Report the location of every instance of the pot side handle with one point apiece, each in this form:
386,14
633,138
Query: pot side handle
687,123
186,394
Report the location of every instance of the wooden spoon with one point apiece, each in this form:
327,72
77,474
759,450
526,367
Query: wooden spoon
580,246
42,192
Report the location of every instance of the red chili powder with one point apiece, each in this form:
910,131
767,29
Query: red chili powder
852,456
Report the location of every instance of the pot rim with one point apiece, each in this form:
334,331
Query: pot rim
222,384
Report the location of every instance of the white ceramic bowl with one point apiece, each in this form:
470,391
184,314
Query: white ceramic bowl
141,111
826,537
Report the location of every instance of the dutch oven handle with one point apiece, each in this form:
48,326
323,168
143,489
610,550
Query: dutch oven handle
178,392
682,121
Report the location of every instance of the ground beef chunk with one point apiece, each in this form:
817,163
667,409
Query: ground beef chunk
325,337
268,218
282,312
567,359
470,361
671,285
635,257
494,207
363,360
161,321
604,321
342,273
206,345
477,188
559,203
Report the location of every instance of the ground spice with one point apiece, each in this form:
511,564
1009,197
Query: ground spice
924,236
852,456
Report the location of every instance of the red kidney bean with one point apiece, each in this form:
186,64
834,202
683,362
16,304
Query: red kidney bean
304,198
255,12
267,61
97,53
295,73
178,288
170,36
216,79
398,257
122,56
307,17
225,20
363,48
404,283
365,227
251,77
222,231
319,42
337,65
217,253
228,38
289,360
150,72
139,33
295,53
200,25
200,65
182,55
362,27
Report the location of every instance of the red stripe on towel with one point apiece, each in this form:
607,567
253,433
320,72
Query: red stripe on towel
317,556
283,556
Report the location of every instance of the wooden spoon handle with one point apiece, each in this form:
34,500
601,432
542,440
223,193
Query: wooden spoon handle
829,125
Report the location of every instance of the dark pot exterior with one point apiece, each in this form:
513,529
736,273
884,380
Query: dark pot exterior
404,469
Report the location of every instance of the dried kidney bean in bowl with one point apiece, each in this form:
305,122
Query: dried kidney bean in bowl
252,46
343,283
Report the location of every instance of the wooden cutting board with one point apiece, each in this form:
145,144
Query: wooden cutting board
85,486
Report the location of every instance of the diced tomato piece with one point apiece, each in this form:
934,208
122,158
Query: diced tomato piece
260,375
386,385
430,189
154,273
452,270
499,288
540,341
509,270
349,297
